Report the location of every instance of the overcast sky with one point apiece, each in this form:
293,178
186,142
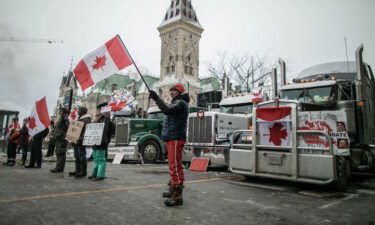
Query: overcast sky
302,32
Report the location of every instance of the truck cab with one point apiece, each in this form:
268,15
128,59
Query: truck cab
140,138
319,131
209,133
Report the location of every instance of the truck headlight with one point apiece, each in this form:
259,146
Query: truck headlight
133,139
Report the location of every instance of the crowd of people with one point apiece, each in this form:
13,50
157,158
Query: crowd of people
57,144
173,133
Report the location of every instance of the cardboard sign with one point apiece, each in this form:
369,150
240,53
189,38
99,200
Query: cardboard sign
199,164
93,134
74,131
118,157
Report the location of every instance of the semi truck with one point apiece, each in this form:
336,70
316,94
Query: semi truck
319,131
209,133
140,138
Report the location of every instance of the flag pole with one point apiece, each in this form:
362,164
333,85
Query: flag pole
148,88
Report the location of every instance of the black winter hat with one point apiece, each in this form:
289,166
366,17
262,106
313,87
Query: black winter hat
101,105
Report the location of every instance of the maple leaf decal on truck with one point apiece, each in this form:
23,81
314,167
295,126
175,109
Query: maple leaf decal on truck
99,62
276,134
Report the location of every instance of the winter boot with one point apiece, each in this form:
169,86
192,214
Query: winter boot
168,194
176,198
71,174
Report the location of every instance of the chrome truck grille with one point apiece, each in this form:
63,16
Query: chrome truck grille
200,130
122,134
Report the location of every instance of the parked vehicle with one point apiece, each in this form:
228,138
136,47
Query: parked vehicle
140,138
320,130
209,133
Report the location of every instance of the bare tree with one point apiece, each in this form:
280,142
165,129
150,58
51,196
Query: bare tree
244,70
222,67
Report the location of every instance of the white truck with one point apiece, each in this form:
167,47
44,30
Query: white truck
320,130
209,133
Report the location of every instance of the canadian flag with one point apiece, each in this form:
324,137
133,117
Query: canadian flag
39,117
101,63
274,125
120,99
74,114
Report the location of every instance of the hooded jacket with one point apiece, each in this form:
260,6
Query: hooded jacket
175,123
86,119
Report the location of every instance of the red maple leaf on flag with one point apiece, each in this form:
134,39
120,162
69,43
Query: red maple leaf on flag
276,134
99,62
32,123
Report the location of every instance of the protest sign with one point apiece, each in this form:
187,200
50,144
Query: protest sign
93,134
74,131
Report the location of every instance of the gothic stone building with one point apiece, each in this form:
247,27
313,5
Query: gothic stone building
180,32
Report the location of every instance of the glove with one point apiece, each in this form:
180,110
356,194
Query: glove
153,95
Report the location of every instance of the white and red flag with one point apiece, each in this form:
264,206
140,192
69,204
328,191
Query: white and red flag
274,125
120,99
74,114
39,117
101,63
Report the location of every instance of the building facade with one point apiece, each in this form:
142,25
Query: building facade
180,33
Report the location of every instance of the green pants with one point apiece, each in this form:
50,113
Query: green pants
99,163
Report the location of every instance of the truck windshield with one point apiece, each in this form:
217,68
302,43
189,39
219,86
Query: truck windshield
311,95
158,115
246,108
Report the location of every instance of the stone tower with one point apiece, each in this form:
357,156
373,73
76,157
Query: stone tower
180,33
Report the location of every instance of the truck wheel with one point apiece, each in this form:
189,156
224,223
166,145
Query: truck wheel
343,173
150,151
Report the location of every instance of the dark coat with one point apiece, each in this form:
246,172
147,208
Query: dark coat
175,123
60,133
24,136
107,133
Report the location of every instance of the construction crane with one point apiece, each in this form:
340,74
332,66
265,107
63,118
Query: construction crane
41,40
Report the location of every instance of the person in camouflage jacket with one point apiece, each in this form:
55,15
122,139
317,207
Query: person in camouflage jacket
61,144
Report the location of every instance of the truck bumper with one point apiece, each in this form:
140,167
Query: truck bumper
217,155
131,152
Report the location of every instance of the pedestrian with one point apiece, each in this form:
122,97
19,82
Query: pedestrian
61,128
23,140
79,149
99,151
51,141
174,134
12,132
36,149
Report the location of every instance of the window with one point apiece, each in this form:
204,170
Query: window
178,2
171,14
173,68
177,12
170,58
168,69
184,12
183,2
311,95
172,4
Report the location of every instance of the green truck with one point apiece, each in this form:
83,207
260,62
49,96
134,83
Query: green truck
139,138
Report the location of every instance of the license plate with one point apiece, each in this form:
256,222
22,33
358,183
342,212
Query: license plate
275,160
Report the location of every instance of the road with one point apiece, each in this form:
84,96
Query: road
131,194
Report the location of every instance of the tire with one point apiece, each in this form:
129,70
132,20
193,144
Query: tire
150,151
343,174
